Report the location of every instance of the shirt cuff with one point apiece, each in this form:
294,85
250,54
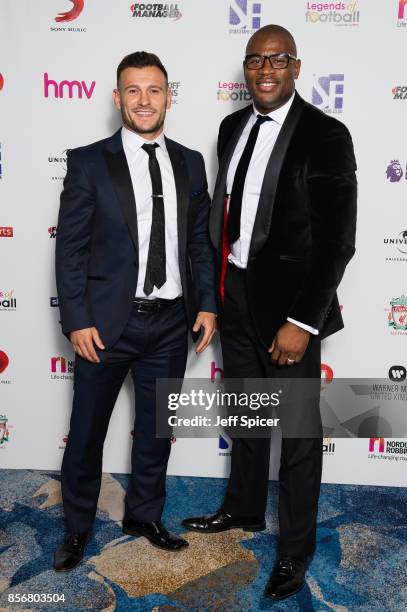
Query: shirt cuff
307,328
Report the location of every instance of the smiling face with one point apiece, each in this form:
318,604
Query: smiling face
143,98
271,88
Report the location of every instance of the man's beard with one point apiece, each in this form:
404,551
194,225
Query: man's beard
132,125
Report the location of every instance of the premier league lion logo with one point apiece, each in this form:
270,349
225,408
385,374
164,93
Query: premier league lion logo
394,171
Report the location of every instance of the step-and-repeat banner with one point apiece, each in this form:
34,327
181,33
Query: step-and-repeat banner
57,71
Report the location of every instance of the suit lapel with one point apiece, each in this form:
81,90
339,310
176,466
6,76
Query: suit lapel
182,189
216,216
120,175
267,197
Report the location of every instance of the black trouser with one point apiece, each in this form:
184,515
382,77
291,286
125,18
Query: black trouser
301,458
153,345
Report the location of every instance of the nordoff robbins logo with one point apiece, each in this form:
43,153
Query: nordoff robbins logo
4,432
398,313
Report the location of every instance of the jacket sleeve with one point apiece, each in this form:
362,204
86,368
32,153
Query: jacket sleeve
73,245
201,252
332,195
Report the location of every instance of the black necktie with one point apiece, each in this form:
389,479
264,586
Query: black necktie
155,272
235,205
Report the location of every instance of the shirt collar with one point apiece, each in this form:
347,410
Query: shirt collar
134,141
280,113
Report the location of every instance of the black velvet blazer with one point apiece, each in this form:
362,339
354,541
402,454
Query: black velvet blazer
304,231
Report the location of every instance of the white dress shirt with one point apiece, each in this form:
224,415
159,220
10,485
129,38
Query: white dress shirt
137,160
269,130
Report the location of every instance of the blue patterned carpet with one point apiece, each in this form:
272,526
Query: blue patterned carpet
360,564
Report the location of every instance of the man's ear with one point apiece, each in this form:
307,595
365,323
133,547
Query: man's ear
169,98
116,98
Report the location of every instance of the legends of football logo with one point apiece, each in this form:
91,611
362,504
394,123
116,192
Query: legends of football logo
233,91
67,16
157,11
336,13
244,16
327,93
8,300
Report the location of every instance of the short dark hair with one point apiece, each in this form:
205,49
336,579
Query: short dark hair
140,59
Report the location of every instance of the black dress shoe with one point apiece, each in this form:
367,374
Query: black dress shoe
287,578
222,521
155,532
70,553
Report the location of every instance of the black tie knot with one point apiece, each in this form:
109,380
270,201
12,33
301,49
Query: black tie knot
150,148
263,118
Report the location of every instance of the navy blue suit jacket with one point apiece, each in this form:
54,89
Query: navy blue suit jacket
97,239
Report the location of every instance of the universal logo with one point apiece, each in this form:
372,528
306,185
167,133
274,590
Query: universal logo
157,11
67,16
397,243
244,16
336,13
58,163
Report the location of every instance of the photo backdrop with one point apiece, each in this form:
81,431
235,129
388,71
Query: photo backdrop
57,70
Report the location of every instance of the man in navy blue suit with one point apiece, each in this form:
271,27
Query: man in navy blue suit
135,271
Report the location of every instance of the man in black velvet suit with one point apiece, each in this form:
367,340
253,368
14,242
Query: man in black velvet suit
135,270
284,234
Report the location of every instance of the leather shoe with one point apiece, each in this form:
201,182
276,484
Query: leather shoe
222,521
155,532
70,553
287,578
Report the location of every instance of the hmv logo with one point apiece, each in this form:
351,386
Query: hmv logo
67,89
